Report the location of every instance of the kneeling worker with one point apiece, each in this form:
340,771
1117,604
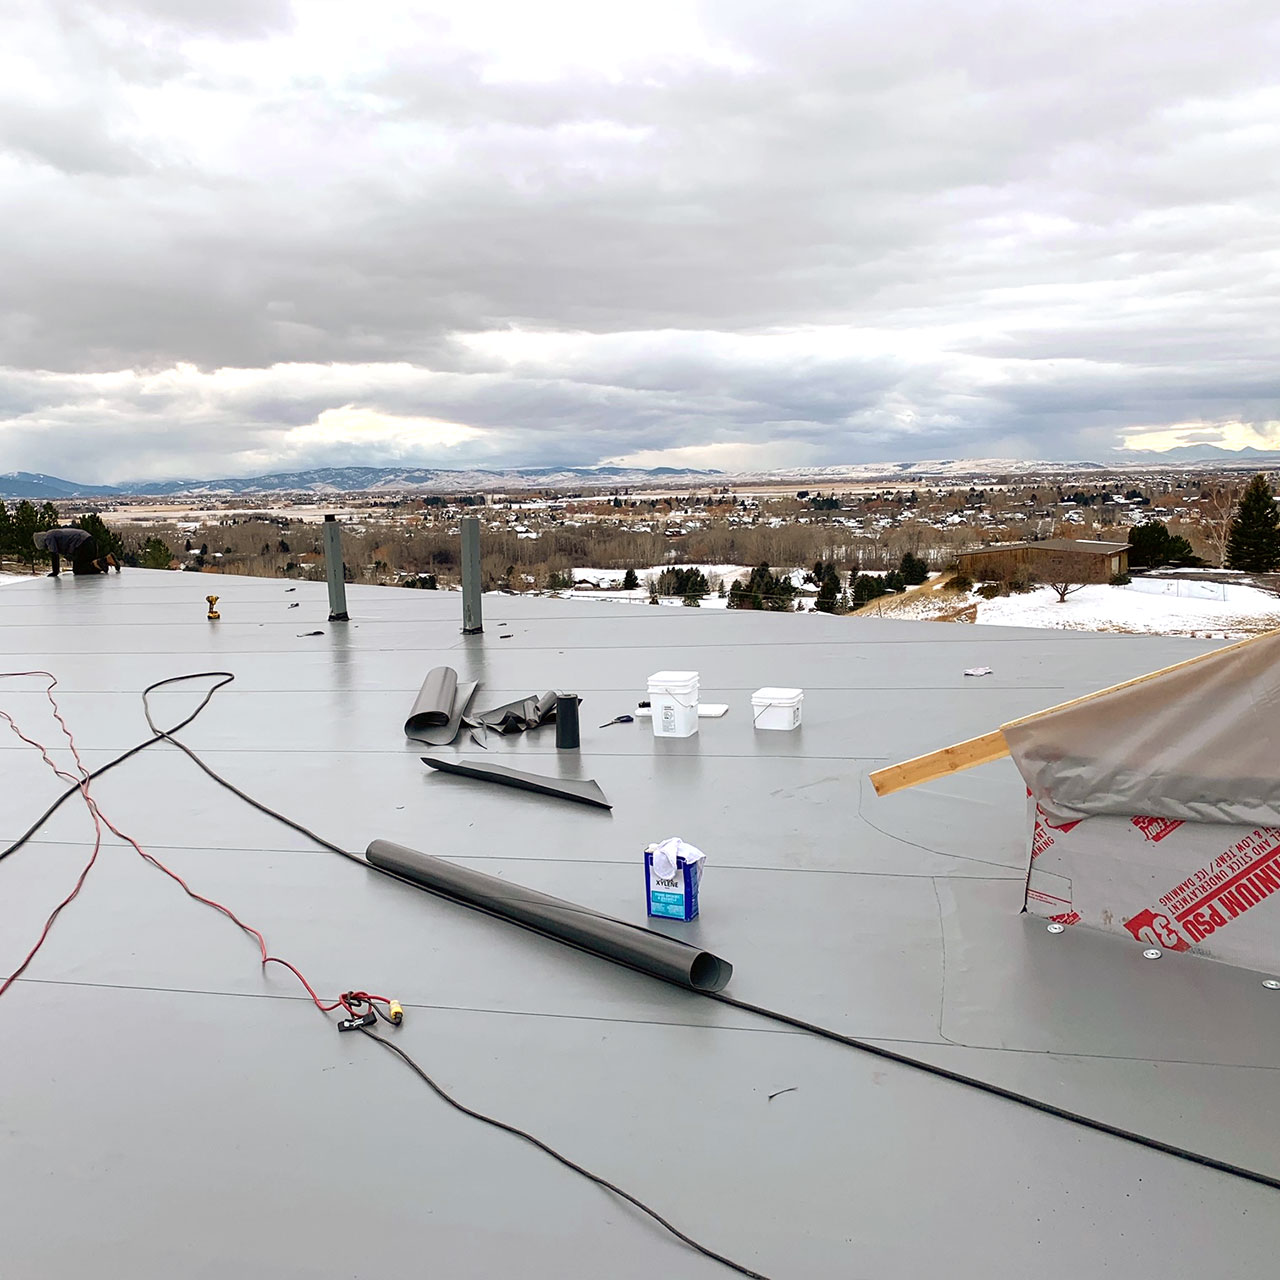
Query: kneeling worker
78,547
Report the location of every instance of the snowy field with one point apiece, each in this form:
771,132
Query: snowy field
1208,610
607,584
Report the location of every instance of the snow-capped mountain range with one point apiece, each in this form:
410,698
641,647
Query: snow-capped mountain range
331,480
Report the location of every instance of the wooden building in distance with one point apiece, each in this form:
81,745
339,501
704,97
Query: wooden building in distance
1077,559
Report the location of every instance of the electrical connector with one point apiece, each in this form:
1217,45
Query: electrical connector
354,1024
395,1011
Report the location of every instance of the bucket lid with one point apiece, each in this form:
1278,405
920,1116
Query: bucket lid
674,677
777,695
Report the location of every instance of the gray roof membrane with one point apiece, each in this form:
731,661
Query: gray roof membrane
171,1108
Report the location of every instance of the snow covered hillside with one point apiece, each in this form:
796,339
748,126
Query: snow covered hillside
1200,609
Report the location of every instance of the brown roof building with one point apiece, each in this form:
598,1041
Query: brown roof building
1080,559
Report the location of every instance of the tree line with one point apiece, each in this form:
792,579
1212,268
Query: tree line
1251,544
19,527
765,590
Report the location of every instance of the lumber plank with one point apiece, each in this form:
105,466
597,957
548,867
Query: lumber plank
937,764
992,746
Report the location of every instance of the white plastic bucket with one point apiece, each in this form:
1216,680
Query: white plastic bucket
673,695
776,708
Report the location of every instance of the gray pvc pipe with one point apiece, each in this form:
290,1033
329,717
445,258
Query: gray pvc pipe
652,953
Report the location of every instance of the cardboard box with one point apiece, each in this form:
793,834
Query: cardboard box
1207,888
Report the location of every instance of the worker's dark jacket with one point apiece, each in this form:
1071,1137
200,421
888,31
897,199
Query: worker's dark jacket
66,542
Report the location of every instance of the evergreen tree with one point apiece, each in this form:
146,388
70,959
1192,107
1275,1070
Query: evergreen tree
1151,544
828,591
155,554
865,587
1148,544
26,524
106,539
629,580
683,582
1253,543
6,530
914,570
763,590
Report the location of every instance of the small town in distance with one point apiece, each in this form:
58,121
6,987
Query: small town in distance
1178,551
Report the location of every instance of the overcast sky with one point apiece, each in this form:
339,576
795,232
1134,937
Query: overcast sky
249,235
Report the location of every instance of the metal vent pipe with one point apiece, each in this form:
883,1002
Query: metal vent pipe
333,570
472,622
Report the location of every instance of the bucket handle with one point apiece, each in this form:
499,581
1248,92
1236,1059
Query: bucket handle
666,693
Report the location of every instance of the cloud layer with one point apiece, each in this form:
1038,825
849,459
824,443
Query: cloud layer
249,236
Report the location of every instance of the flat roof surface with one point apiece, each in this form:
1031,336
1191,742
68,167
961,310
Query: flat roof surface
170,1108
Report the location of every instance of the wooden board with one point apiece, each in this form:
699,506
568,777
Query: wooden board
963,755
992,746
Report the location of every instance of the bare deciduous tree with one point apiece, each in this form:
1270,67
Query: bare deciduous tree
1216,514
1064,588
1060,573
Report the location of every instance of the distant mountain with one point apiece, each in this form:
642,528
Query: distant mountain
400,479
1201,453
42,488
324,480
334,480
1209,457
924,469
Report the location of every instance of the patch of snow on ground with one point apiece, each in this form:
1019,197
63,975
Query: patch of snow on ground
607,584
610,582
730,573
1239,610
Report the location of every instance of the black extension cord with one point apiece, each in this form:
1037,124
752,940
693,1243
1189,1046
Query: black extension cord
166,735
784,1019
517,1132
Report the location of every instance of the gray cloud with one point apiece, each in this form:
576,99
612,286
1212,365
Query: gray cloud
228,18
867,232
69,139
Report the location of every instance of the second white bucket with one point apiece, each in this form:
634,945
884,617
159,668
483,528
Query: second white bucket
673,695
776,708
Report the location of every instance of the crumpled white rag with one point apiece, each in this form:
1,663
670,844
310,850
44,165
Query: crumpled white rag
667,851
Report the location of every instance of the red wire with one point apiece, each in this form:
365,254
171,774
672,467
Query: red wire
82,781
53,915
344,1001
